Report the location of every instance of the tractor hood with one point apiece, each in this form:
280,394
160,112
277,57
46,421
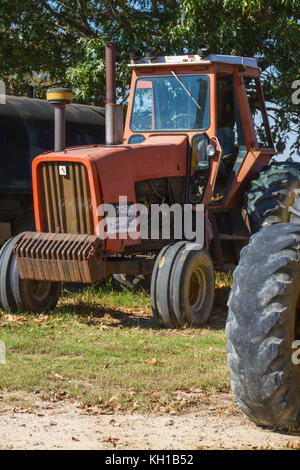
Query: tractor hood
102,174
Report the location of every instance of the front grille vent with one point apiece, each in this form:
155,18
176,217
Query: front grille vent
67,202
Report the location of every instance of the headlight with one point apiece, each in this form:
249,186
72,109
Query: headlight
211,150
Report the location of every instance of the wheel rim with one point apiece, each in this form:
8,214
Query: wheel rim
197,289
39,290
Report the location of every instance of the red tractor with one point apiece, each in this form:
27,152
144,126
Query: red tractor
196,136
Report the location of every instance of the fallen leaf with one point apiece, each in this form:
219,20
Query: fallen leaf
111,440
151,361
104,327
58,376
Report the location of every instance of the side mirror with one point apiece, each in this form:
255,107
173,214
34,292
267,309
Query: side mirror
280,147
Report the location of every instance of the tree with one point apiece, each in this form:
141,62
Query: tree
48,42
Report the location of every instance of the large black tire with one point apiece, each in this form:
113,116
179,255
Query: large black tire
153,285
262,325
271,195
192,286
6,256
22,295
163,276
182,286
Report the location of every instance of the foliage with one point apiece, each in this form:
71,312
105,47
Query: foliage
46,42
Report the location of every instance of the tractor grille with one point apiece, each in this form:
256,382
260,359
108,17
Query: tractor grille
67,200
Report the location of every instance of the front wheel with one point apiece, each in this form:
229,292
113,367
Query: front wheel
23,295
182,285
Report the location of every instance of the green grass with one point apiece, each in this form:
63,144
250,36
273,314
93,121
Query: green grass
104,349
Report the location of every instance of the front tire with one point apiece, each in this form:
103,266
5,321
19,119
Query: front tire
23,295
262,326
182,285
192,286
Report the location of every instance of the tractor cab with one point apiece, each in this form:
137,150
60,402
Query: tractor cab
217,103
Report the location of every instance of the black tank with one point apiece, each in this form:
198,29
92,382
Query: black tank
27,130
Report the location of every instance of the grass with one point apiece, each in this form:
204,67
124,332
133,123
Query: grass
104,349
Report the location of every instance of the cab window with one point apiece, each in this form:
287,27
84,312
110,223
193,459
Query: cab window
165,104
258,111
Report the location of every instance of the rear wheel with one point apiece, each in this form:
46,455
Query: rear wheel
263,328
23,295
271,194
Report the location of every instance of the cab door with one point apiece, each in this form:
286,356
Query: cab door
252,139
230,136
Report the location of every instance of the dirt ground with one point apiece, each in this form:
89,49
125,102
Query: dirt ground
33,423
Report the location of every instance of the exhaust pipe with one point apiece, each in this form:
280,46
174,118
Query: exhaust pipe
58,98
114,126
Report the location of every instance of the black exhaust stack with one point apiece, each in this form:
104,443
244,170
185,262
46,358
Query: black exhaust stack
114,126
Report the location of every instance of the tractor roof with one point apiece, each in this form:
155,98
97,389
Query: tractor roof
194,59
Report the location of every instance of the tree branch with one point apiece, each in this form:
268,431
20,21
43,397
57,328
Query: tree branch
82,14
85,30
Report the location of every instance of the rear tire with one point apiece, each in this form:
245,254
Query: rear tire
262,325
271,194
23,295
